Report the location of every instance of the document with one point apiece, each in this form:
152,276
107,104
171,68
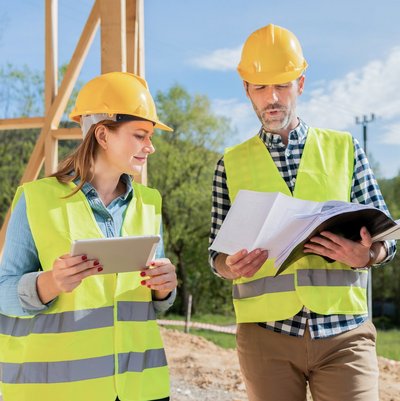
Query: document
282,224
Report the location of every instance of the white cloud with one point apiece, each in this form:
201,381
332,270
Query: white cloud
241,115
373,89
334,104
220,59
392,134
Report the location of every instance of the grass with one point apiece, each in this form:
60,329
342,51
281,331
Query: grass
388,344
388,341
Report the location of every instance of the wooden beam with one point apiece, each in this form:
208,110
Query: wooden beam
113,35
140,65
51,53
58,106
131,36
51,80
21,123
140,60
67,133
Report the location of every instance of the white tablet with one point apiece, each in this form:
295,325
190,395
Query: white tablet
119,254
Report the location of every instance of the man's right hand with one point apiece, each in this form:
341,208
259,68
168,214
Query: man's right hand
241,264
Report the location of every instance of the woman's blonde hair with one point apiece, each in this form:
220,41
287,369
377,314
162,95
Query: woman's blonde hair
80,162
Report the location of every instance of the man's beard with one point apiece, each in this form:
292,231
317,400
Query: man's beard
272,124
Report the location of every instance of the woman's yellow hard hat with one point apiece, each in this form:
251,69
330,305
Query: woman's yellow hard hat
117,93
271,55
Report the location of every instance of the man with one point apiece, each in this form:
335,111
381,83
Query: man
289,332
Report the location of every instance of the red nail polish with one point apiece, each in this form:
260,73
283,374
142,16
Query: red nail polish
143,282
142,274
84,257
152,263
99,269
96,262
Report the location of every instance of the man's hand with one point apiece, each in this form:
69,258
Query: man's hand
241,264
352,253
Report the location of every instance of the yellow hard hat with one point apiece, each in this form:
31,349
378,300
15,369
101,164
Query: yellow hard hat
271,55
117,93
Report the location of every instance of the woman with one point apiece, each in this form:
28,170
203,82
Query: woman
67,331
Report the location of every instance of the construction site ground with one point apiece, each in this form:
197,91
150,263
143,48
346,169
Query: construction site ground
200,370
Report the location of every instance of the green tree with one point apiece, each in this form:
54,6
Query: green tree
22,95
386,279
182,170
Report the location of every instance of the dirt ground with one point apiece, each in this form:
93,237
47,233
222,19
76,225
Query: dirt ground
200,370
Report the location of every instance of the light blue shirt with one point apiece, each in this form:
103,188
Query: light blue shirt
20,265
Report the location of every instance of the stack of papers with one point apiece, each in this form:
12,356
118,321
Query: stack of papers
282,224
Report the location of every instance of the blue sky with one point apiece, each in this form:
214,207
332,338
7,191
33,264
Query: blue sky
352,48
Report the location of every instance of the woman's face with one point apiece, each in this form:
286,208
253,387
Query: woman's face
129,146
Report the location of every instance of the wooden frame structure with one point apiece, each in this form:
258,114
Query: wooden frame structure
122,49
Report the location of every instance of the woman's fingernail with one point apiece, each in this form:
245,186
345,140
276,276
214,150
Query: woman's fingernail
143,282
152,263
99,269
96,262
142,274
84,257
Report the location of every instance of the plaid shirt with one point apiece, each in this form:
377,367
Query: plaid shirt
365,190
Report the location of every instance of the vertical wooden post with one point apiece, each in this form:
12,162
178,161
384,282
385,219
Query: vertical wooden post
135,49
188,313
51,79
113,35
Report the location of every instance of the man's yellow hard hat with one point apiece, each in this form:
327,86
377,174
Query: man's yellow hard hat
271,55
117,93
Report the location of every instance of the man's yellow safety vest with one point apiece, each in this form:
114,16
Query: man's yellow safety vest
325,173
98,341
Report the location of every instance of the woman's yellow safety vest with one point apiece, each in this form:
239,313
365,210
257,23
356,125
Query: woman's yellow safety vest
325,173
98,341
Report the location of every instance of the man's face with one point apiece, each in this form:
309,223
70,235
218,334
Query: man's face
275,105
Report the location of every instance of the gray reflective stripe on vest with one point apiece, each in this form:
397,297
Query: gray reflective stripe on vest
58,372
330,278
63,322
135,311
139,361
265,285
84,369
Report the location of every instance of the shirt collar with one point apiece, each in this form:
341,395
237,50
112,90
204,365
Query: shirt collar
125,178
297,135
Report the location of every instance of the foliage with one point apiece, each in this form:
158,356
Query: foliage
388,344
386,279
182,169
21,92
22,95
15,149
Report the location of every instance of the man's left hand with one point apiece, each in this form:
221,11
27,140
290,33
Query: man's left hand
352,253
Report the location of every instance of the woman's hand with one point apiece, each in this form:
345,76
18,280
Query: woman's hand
67,273
161,278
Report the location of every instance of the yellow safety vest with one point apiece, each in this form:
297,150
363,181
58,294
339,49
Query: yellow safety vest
325,173
102,339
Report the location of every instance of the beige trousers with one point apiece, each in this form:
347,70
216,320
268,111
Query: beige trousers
277,367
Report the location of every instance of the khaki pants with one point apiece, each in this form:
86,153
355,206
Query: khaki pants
277,367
